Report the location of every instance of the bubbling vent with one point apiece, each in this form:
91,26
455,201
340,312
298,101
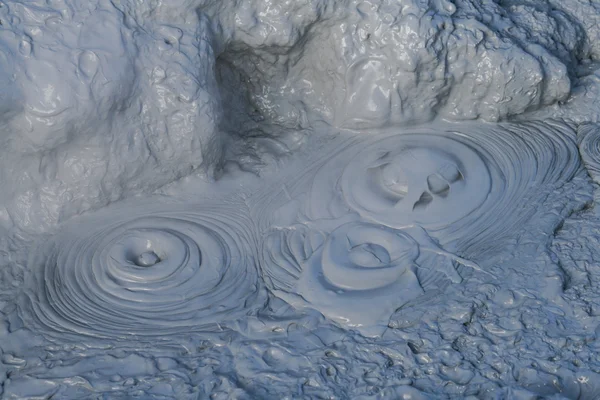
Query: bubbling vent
442,181
467,184
359,273
380,222
168,271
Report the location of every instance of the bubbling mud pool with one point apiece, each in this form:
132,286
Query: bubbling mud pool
381,222
265,220
372,225
359,273
160,272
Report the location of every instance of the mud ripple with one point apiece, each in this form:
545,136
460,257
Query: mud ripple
170,270
396,217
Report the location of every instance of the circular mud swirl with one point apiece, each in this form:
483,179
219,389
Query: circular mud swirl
358,274
366,257
416,179
470,189
169,271
588,137
468,185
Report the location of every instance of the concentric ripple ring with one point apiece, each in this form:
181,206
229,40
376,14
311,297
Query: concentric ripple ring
469,185
588,137
356,275
171,270
443,200
416,179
